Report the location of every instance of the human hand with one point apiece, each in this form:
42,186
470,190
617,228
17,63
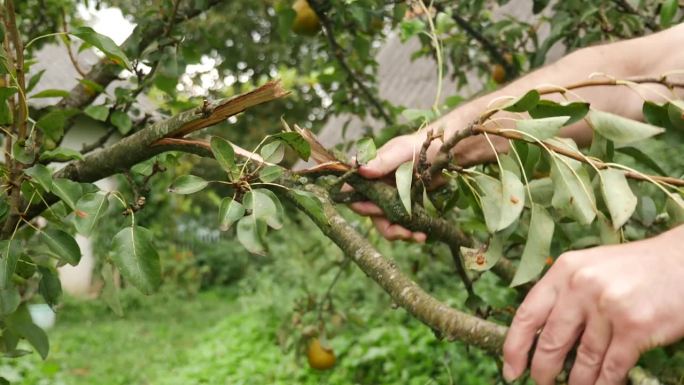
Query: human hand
618,300
390,156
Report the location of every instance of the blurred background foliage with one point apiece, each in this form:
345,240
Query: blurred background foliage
225,316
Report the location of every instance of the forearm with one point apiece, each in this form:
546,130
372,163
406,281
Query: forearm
652,55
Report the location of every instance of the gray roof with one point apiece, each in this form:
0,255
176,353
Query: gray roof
61,74
413,83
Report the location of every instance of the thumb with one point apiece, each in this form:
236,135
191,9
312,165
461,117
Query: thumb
390,156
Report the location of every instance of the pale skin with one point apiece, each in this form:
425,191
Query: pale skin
616,301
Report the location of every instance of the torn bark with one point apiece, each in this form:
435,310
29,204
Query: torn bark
145,143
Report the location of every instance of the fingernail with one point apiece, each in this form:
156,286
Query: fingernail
508,373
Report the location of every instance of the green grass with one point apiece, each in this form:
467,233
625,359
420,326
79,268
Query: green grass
90,345
214,338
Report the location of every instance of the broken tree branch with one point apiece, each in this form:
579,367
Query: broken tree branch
447,322
148,142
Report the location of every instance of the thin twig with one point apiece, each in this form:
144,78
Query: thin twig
495,52
338,53
511,134
15,167
611,82
72,58
627,7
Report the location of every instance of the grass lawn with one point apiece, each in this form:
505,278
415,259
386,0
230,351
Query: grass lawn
213,338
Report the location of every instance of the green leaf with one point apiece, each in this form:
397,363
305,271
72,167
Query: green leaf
41,175
642,158
6,116
655,114
539,5
249,235
10,299
20,322
60,154
409,28
490,200
296,142
33,82
67,190
601,148
145,168
365,150
524,103
529,154
91,86
26,267
97,112
572,192
22,154
621,130
224,153
404,179
668,10
675,113
412,114
309,202
51,93
646,210
537,248
277,221
134,254
121,121
110,290
103,43
484,259
49,287
541,129
270,173
230,211
89,209
512,199
547,108
444,23
608,234
263,207
7,92
62,245
9,255
429,206
541,191
52,124
619,198
675,209
273,152
188,184
509,163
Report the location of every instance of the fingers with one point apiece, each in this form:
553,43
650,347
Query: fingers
395,232
560,332
419,237
529,318
620,358
366,208
591,350
385,227
390,156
